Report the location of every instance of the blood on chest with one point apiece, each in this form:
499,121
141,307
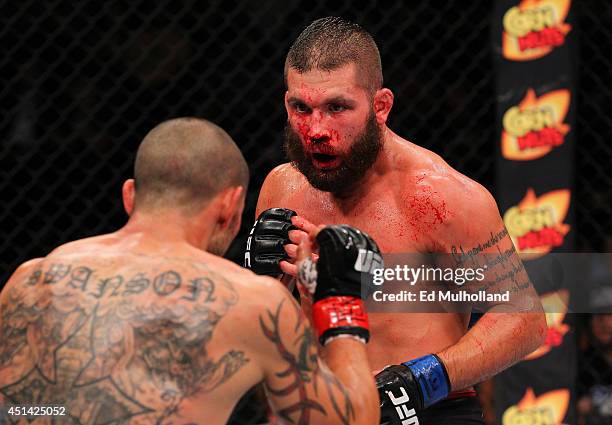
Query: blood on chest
383,221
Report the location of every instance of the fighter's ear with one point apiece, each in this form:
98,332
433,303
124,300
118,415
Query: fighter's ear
383,102
127,193
286,102
232,205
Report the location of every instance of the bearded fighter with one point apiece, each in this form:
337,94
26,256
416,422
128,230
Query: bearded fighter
149,325
347,166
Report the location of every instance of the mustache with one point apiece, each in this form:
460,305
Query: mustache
361,155
324,149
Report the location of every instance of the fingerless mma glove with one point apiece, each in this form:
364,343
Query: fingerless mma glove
347,258
266,241
410,387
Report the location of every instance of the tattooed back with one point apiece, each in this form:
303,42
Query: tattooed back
121,331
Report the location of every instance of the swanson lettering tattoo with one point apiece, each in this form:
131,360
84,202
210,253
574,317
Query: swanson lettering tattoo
74,337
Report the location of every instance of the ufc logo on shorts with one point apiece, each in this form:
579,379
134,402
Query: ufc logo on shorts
367,261
247,254
408,417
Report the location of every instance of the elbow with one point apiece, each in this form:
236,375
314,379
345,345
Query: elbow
542,328
535,321
540,324
537,331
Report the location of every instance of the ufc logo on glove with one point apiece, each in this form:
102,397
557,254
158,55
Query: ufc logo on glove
408,417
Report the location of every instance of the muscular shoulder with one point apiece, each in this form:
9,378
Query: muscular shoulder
22,272
28,266
259,293
458,203
468,201
463,194
258,299
89,247
280,184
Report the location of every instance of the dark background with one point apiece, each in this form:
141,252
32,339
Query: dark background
83,82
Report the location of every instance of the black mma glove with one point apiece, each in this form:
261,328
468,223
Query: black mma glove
408,388
347,259
265,245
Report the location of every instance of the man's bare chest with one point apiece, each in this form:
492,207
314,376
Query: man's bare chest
382,218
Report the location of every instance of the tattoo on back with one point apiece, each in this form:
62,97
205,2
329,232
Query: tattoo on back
73,337
302,369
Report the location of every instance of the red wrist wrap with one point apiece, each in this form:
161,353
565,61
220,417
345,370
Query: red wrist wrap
337,312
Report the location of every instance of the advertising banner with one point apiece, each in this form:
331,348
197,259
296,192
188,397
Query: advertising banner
535,54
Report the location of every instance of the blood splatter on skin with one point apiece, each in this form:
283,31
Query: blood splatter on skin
303,129
334,136
427,210
521,328
303,123
479,343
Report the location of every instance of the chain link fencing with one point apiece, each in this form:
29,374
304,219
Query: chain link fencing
594,200
83,82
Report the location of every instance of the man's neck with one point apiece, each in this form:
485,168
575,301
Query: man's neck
170,227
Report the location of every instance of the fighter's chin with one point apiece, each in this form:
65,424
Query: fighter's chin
328,180
323,185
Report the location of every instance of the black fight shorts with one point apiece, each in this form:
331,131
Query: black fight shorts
458,411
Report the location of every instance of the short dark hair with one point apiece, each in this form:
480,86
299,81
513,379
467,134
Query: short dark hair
185,162
329,43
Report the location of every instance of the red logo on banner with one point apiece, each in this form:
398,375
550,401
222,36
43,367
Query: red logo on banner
547,409
534,28
536,224
555,306
534,127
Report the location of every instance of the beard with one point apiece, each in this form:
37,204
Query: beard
360,158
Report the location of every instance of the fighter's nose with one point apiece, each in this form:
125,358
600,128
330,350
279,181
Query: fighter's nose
319,138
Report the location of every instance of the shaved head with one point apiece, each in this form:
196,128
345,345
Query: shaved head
330,43
183,163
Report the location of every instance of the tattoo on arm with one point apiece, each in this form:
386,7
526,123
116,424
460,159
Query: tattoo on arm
503,269
303,370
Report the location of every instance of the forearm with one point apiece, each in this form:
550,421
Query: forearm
348,360
496,342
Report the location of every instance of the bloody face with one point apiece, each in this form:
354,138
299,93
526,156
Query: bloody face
329,170
331,136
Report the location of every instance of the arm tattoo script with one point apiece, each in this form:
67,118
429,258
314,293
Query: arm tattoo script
301,369
72,337
504,269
